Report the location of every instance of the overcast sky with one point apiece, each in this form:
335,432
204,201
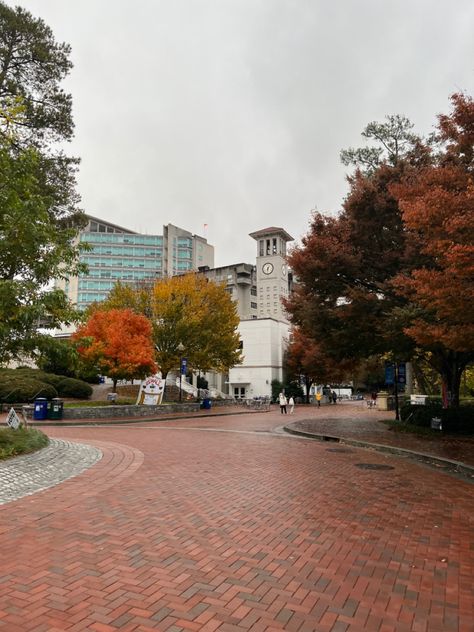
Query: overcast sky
232,113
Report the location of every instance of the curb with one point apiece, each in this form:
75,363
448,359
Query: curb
430,459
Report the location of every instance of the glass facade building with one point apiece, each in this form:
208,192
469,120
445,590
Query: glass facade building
118,254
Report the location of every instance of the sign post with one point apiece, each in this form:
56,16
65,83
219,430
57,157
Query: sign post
182,371
13,420
396,375
151,391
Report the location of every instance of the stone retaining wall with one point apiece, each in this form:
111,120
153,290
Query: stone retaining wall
111,411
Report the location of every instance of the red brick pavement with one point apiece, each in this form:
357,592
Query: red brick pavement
203,530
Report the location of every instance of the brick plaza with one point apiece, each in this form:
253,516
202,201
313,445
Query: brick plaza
223,524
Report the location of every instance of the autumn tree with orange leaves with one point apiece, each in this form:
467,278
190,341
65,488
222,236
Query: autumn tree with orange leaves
119,343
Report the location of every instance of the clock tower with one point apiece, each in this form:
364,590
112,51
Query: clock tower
272,273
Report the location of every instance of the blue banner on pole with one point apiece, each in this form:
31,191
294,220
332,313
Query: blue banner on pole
402,373
184,366
389,374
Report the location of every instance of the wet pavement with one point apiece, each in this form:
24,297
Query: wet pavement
226,523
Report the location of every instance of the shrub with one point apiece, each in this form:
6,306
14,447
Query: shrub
459,420
34,374
48,378
25,390
420,415
454,420
70,387
88,375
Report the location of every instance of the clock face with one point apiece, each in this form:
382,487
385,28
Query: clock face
267,268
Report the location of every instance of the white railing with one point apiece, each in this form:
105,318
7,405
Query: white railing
200,393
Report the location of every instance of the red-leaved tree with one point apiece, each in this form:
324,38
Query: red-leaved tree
306,359
437,204
118,342
393,273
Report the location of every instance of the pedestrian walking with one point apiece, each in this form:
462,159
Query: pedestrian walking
291,402
318,397
283,403
334,397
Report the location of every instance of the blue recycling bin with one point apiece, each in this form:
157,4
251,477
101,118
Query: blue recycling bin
206,403
40,409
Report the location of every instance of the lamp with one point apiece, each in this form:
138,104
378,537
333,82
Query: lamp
180,348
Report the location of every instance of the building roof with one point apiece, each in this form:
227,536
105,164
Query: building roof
107,223
266,232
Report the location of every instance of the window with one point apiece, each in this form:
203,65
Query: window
253,305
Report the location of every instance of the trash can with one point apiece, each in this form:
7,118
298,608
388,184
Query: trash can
206,403
40,410
55,409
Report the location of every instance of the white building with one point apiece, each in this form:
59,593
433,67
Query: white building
263,345
264,339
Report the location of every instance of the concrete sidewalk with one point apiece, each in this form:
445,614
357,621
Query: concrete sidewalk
367,427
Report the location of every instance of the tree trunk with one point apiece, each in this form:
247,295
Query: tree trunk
451,383
307,381
114,382
451,365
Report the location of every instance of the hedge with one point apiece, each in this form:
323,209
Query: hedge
23,385
70,387
458,420
25,390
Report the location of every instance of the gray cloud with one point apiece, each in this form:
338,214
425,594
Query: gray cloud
233,112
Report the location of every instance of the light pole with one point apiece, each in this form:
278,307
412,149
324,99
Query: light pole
180,348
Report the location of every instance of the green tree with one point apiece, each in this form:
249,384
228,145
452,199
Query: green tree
39,217
35,248
32,66
391,142
58,356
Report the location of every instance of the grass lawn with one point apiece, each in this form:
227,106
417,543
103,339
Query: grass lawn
21,441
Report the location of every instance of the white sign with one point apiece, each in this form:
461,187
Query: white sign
151,391
12,419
